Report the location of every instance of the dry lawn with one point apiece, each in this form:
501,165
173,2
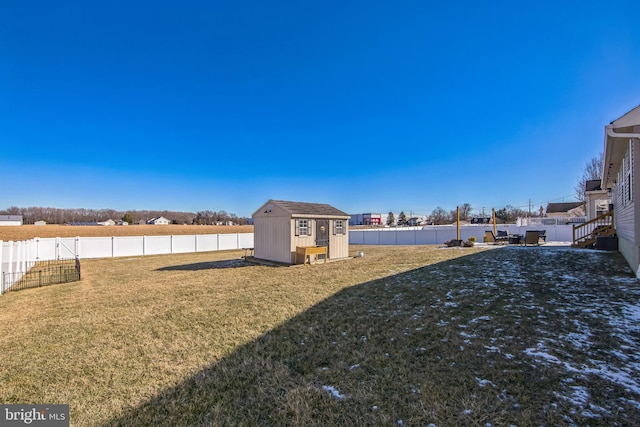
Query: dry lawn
403,336
27,232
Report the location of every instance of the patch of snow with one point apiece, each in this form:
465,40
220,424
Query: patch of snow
483,383
481,318
335,393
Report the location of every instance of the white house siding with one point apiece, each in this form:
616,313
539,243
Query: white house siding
625,214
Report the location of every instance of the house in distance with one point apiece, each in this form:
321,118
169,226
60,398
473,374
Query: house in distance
280,227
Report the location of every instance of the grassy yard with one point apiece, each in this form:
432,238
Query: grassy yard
402,336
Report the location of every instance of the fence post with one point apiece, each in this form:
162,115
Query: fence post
171,245
195,243
144,245
10,266
76,248
19,257
113,246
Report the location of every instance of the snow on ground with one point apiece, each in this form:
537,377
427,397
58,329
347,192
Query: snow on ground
599,312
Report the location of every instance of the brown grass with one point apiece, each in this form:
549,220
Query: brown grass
404,333
27,232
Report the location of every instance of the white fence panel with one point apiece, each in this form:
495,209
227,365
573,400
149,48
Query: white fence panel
46,248
356,237
17,258
432,235
389,238
66,247
95,247
371,238
128,246
158,245
183,244
426,237
245,240
227,241
207,242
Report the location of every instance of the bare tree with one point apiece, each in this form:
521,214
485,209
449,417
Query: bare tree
592,170
465,211
439,216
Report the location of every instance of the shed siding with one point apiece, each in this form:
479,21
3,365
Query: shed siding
275,230
339,243
301,240
272,239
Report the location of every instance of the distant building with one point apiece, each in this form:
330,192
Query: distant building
481,220
565,210
159,221
415,221
107,223
365,219
10,220
40,223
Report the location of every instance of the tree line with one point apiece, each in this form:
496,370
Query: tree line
440,216
64,216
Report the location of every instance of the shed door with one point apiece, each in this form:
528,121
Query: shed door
322,233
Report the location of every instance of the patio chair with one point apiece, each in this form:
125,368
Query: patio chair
532,238
489,237
543,236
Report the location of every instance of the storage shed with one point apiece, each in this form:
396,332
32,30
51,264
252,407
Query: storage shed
281,228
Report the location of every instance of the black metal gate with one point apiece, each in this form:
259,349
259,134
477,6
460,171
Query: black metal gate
322,233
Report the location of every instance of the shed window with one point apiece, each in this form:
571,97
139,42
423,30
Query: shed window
302,227
338,226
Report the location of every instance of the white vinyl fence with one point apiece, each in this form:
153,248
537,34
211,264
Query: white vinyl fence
432,235
17,258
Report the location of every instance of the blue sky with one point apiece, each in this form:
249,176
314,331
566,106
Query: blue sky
369,106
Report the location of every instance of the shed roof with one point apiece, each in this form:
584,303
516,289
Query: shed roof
308,209
562,207
10,217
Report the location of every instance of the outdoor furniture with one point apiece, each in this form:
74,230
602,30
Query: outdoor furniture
515,239
532,238
489,237
247,252
543,236
306,251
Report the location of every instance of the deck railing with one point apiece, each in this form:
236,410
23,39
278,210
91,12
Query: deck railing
584,231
